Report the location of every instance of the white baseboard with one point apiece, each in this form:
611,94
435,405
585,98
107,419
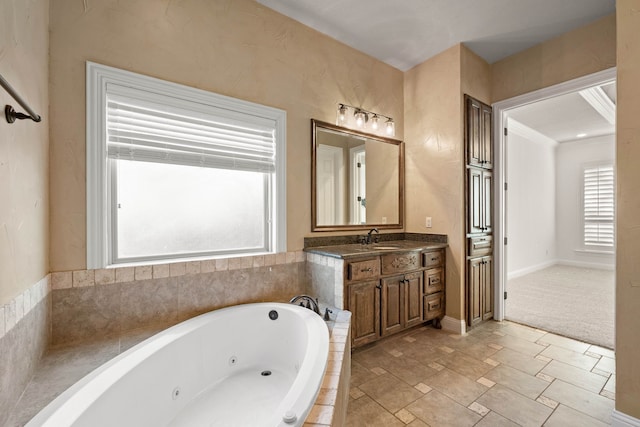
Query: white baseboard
583,264
619,419
530,269
454,325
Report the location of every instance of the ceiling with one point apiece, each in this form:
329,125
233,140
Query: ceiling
564,117
406,33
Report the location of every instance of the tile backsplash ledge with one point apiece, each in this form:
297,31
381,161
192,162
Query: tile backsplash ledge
108,276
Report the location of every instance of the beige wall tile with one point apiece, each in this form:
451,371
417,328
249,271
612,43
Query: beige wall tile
193,267
62,280
125,274
83,278
161,270
144,272
177,269
208,266
222,264
105,276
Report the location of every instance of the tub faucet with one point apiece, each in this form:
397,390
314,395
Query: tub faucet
311,304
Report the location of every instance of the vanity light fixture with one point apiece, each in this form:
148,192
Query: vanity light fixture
363,119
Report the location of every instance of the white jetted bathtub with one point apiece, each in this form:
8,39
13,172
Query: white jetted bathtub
248,365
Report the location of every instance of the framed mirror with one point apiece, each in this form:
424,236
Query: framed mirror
357,179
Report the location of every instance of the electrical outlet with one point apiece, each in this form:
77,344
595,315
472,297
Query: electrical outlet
384,219
427,222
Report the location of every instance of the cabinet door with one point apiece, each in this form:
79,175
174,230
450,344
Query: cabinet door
364,304
485,200
486,153
392,308
473,132
487,288
474,201
474,291
413,299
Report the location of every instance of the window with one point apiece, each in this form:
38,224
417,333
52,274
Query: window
175,172
598,206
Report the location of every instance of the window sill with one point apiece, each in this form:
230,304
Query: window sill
595,251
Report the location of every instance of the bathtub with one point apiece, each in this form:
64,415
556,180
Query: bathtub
248,365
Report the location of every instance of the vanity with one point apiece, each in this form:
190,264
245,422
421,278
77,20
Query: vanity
388,287
389,282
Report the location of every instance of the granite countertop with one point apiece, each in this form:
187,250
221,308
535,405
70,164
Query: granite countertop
357,250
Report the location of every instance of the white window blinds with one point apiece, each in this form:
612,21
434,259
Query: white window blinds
142,130
599,206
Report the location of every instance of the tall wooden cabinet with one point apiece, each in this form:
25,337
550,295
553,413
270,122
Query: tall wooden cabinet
479,207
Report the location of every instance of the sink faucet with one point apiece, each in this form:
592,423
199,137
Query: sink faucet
311,303
366,240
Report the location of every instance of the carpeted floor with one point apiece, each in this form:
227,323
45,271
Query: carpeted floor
571,301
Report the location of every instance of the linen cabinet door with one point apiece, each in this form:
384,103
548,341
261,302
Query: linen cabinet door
364,304
474,291
392,309
413,299
487,288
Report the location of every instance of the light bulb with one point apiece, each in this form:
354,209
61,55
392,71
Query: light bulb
342,114
359,115
391,127
374,122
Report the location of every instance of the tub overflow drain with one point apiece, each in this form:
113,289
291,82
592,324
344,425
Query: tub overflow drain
273,315
265,373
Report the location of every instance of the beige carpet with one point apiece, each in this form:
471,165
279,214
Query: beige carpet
571,301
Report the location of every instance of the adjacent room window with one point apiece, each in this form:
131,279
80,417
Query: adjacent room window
175,172
599,206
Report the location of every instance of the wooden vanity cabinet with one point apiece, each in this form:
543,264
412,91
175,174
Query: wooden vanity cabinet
394,291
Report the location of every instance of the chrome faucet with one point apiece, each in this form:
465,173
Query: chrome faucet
367,240
311,304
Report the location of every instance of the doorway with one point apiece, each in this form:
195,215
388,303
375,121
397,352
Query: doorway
555,158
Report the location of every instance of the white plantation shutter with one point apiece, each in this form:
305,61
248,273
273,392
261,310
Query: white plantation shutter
153,132
599,206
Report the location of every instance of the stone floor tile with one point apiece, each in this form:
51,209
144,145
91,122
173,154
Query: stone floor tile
544,359
606,364
465,365
407,369
545,377
581,400
493,419
520,361
602,351
496,346
515,406
611,384
491,362
524,332
356,393
436,409
365,412
518,381
378,371
570,357
519,344
405,416
485,382
608,394
436,366
418,423
458,387
564,342
478,409
391,393
564,416
547,402
423,388
360,374
446,349
576,376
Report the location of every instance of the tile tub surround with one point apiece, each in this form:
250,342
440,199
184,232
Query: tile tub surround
110,302
24,333
65,364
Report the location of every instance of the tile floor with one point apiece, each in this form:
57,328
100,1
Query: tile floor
499,374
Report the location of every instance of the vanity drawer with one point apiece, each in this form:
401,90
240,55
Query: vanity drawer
361,270
433,305
433,280
400,262
480,245
433,258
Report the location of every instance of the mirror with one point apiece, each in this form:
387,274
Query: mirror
357,179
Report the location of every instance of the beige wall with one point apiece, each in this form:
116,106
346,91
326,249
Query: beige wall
434,161
577,53
237,48
628,209
24,148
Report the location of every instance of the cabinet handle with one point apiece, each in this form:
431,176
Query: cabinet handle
366,270
434,259
379,286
